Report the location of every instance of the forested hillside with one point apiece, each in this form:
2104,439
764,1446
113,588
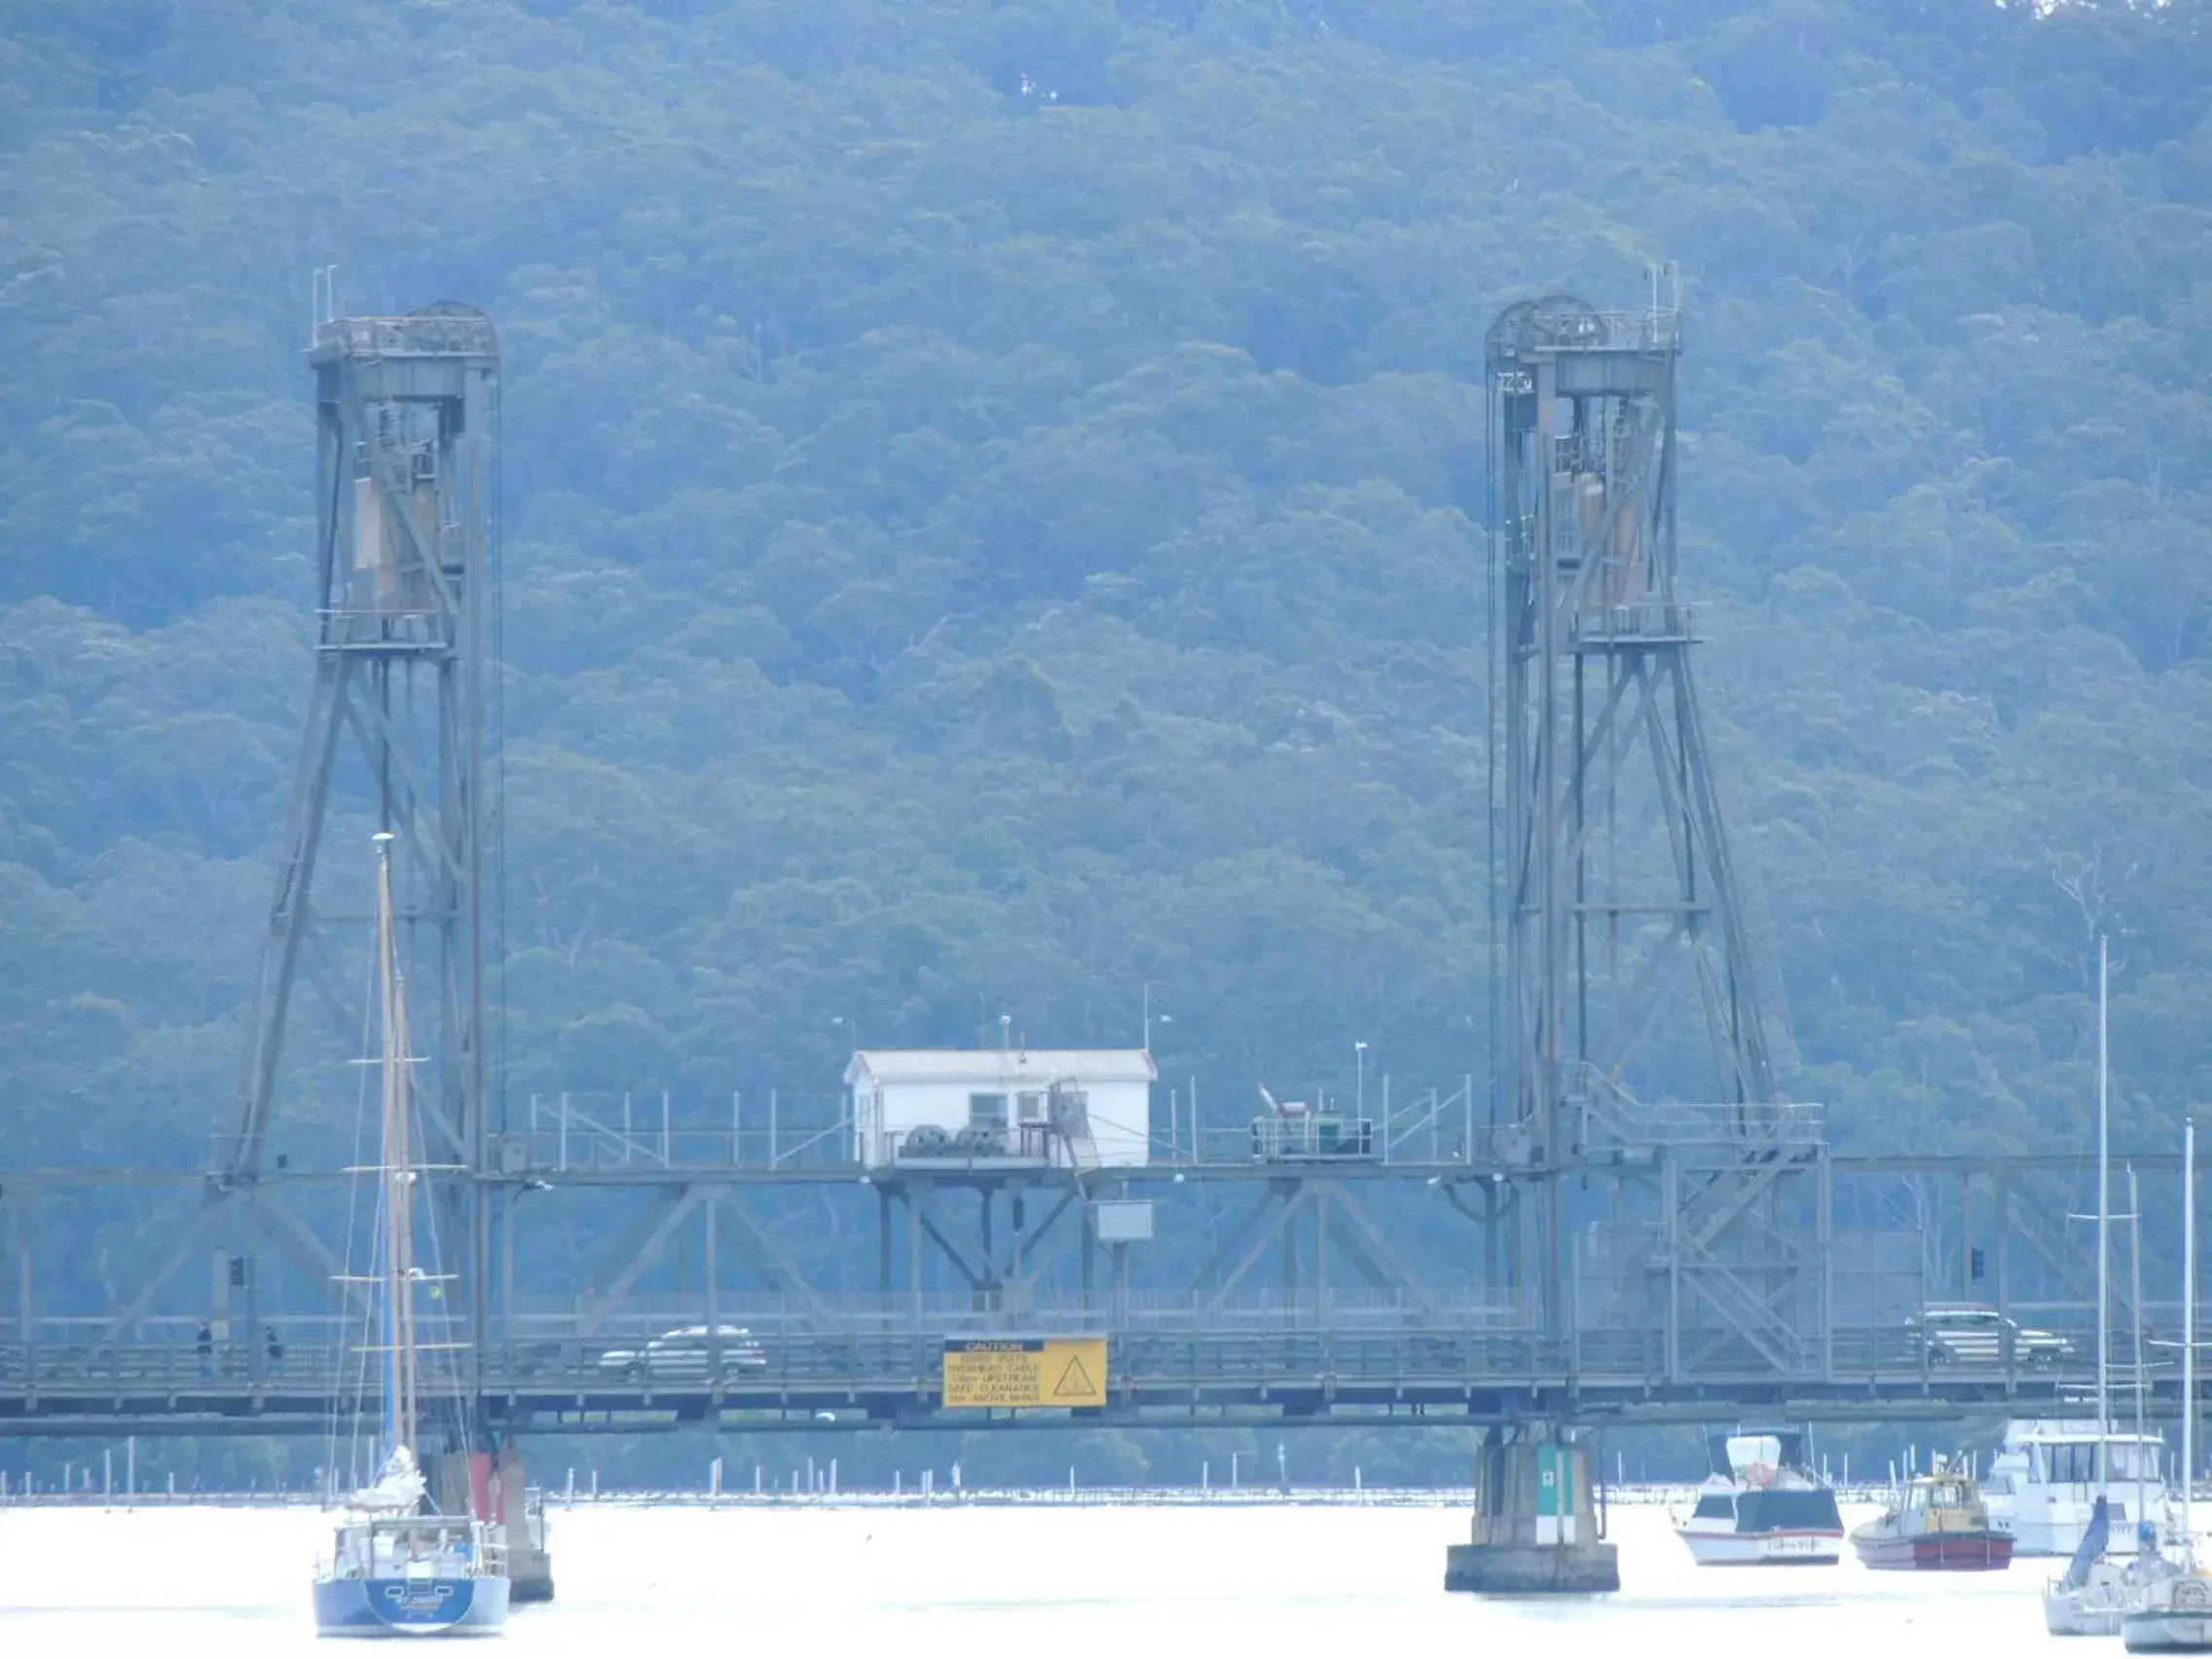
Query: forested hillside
994,501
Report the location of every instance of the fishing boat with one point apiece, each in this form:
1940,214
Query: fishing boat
1936,1523
1761,1506
2173,1613
398,1567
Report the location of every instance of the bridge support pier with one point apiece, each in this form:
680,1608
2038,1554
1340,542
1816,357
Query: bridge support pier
1535,1527
493,1488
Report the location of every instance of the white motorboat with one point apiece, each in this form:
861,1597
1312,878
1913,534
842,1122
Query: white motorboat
1762,1506
2048,1478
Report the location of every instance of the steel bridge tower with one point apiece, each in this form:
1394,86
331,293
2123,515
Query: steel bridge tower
407,420
1614,881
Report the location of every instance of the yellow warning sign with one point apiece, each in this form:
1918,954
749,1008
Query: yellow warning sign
1025,1372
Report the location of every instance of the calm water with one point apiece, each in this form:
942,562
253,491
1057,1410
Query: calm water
1053,1583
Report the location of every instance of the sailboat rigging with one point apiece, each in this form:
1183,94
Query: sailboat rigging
397,1565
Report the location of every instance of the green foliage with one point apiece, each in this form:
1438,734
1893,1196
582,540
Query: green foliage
992,503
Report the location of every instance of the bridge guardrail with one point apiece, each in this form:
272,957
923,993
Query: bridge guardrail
859,1361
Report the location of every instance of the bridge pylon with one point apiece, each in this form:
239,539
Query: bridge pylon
397,737
1617,900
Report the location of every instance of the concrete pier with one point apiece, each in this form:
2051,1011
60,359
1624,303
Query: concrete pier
493,1486
522,1515
1536,1526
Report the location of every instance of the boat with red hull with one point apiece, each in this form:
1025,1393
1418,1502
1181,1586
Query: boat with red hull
1937,1523
1943,1552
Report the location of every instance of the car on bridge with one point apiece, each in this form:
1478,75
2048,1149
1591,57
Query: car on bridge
1975,1339
683,1354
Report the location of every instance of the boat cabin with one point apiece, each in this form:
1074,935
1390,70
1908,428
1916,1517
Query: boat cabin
1944,1504
405,1545
1774,1509
2074,1461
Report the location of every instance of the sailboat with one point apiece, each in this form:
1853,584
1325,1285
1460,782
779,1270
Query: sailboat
2100,1581
2174,1615
397,1566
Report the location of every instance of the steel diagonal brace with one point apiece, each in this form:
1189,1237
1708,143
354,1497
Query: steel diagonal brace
1234,1241
170,1257
766,1255
1653,991
978,1277
308,1253
632,1256
1751,1181
323,975
1384,1268
1594,749
1293,1203
1042,1244
288,914
1705,805
361,716
1720,1027
2074,1282
1701,1276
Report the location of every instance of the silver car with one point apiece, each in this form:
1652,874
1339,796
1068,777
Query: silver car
1977,1338
683,1353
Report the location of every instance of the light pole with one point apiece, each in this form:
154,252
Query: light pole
852,1030
1359,1083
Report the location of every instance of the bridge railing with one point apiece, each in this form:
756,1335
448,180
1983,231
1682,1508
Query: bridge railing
895,1351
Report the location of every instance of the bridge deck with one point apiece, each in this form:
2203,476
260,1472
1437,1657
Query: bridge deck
857,1380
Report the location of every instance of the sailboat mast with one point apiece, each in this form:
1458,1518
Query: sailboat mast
398,1175
2135,1284
2104,1230
2188,1329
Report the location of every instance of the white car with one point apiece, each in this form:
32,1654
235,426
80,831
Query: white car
685,1352
1978,1337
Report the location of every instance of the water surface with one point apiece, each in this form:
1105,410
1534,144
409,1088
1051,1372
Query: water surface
1037,1583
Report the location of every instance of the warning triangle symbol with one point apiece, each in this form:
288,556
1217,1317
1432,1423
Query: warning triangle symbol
1075,1382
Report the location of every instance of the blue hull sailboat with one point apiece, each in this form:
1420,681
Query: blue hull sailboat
397,1566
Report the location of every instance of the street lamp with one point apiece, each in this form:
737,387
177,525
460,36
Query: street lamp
852,1030
1359,1085
1164,1019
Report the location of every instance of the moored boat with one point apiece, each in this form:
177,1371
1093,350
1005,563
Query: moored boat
1761,1506
397,1566
2048,1478
2102,1580
2173,1613
1936,1523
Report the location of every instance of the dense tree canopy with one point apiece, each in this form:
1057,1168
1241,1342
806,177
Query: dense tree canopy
993,503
